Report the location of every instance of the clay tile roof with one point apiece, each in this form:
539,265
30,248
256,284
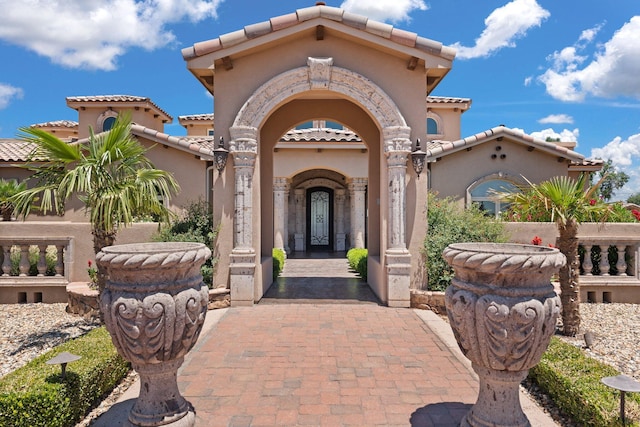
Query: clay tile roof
436,149
320,135
197,117
15,150
447,100
115,98
359,22
56,123
200,145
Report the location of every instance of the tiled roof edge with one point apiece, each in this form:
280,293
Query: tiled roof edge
359,22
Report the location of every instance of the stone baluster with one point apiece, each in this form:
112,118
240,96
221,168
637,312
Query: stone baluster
59,260
42,260
24,260
587,264
604,260
300,220
621,265
357,188
6,262
340,235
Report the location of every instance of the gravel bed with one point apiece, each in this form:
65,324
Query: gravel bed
28,330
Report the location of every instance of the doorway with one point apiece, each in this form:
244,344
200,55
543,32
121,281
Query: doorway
319,219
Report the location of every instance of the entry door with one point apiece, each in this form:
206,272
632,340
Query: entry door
320,219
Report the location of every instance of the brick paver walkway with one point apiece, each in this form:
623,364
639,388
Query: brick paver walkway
325,365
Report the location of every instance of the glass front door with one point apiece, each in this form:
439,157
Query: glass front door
319,219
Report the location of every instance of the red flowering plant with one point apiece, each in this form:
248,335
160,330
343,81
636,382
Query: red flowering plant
636,214
93,275
536,241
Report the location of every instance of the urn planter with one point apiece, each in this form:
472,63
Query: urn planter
154,305
503,309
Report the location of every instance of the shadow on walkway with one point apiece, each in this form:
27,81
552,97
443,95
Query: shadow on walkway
319,278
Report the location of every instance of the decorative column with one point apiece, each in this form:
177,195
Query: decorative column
340,236
244,149
299,234
357,189
280,217
503,311
397,148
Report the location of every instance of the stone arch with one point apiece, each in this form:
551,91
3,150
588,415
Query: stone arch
319,75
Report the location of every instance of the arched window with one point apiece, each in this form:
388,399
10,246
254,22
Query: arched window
108,123
482,194
106,120
432,126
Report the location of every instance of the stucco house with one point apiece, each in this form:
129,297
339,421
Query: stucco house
321,146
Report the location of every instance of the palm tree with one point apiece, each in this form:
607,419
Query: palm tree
567,202
108,172
8,189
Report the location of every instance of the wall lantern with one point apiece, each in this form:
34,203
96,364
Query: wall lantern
418,157
220,155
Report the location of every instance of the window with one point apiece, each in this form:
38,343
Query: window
432,126
210,132
305,125
107,124
482,195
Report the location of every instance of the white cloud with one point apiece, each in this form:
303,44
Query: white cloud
556,119
503,26
384,10
589,34
8,93
528,80
565,135
620,152
93,33
613,70
624,156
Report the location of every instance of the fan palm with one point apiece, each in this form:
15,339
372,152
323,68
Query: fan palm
567,202
8,189
108,172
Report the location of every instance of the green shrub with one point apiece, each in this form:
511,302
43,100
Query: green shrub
195,225
51,258
35,395
358,261
278,262
572,380
449,223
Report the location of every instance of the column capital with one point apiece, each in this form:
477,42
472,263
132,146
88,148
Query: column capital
358,184
281,183
397,138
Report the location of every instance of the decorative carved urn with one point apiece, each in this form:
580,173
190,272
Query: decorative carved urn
154,305
503,310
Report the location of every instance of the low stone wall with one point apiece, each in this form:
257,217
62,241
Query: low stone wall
82,300
428,300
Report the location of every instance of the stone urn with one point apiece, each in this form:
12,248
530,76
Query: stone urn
503,310
154,305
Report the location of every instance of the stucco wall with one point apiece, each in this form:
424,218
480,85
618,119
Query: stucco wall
453,173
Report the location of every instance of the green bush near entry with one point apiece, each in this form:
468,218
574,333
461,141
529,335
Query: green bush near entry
278,262
36,396
572,380
449,223
358,261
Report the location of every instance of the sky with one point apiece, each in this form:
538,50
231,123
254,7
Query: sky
567,69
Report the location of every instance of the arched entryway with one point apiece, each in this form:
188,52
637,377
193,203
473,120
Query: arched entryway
320,90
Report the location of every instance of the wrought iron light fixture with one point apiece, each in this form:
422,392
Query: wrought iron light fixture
418,157
220,155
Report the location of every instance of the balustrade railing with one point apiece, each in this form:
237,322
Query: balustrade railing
33,256
609,256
